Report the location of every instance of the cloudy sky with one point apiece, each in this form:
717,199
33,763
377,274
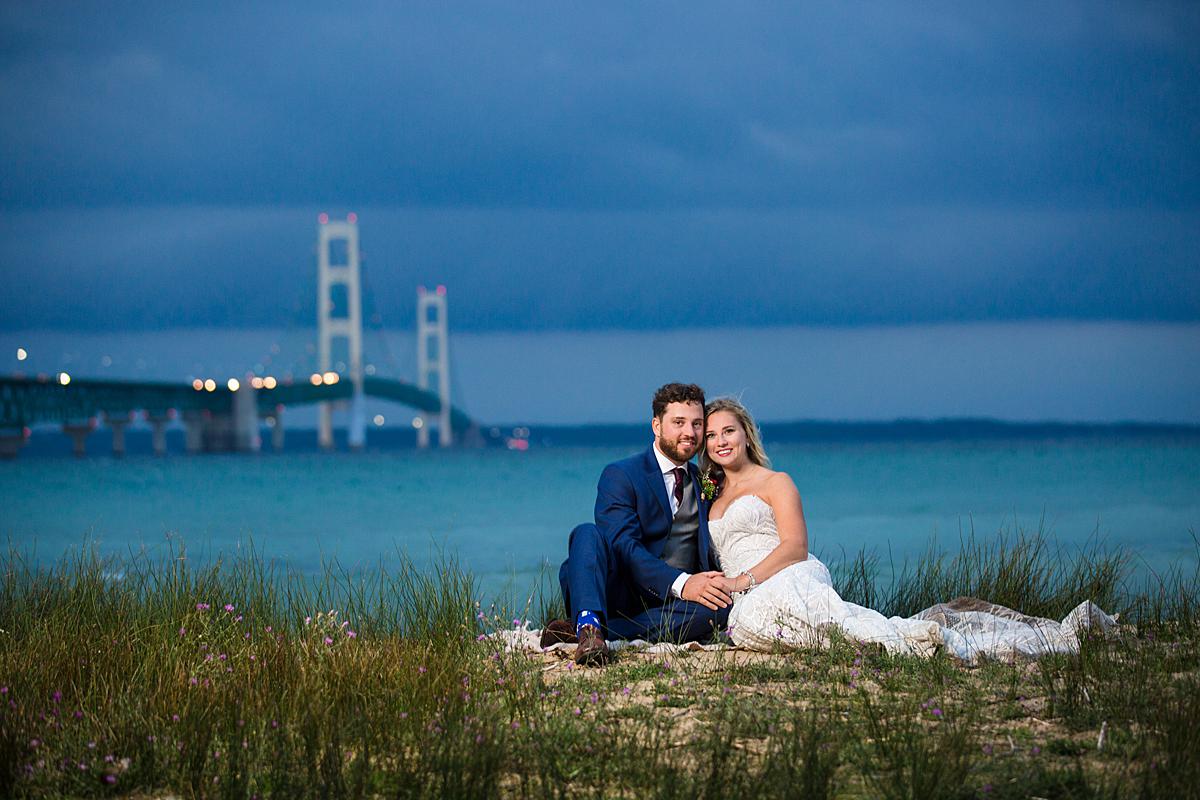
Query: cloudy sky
633,166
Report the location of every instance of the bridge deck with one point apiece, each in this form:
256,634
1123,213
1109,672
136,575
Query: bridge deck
30,401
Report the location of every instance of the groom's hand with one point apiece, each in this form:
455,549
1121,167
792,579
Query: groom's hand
709,589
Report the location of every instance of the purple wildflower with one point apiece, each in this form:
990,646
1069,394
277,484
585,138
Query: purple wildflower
229,607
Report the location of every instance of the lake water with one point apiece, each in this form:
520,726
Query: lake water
506,515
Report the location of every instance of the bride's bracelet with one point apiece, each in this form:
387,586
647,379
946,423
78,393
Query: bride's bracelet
753,582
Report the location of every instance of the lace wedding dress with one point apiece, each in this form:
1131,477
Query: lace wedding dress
798,604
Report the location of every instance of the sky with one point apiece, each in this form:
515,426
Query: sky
627,166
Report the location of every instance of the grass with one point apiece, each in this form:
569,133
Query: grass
148,678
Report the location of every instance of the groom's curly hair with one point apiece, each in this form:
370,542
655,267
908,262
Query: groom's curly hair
675,393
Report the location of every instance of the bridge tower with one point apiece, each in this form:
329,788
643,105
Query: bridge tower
433,362
338,269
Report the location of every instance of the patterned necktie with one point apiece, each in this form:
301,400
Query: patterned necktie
680,476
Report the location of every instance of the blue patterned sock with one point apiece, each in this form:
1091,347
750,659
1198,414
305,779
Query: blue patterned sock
587,618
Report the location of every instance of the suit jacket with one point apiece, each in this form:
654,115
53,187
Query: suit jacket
633,513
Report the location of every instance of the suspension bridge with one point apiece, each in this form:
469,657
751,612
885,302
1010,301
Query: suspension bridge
229,415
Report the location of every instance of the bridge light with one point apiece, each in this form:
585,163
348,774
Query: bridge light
441,290
198,385
64,378
233,384
323,218
256,382
315,379
210,385
420,290
352,218
330,378
418,423
269,382
22,354
378,420
369,369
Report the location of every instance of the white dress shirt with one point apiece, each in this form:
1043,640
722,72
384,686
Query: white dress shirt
668,466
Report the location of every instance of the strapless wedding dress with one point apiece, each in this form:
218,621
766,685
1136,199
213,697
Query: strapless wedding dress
798,605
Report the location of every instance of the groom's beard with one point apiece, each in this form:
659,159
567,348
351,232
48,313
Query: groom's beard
676,451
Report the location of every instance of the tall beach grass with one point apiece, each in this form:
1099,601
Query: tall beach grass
237,678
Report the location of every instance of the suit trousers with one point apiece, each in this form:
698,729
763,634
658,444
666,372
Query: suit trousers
593,579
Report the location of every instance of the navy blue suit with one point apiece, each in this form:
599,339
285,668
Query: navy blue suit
615,567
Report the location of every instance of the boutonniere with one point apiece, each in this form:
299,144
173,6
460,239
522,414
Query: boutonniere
708,487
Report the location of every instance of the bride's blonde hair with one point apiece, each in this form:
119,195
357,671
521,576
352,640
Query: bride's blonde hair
754,446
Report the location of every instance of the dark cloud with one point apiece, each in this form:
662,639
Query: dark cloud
595,167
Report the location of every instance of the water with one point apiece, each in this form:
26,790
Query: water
506,515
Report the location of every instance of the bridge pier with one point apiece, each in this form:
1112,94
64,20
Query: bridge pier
357,428
117,424
158,426
79,431
246,438
194,424
11,442
275,423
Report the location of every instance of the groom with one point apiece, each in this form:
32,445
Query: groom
646,568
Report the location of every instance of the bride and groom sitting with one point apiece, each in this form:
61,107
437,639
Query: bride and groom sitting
679,553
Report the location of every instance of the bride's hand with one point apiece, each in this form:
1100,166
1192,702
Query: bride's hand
709,589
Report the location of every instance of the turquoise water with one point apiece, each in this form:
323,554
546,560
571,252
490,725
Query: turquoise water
506,515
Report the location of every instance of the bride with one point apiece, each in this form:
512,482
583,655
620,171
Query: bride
784,595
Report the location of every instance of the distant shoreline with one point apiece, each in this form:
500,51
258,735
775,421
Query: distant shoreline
927,430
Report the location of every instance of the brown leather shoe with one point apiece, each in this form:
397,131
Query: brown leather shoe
558,631
592,650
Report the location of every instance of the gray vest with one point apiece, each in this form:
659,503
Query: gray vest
682,548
